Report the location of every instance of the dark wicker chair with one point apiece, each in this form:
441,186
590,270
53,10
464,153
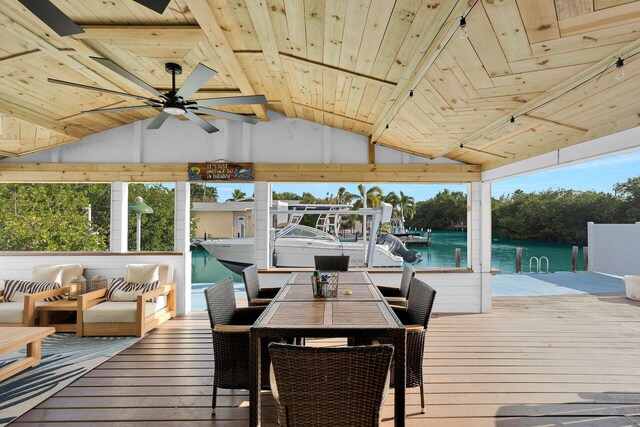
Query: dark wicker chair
398,296
330,386
230,332
415,318
255,295
332,262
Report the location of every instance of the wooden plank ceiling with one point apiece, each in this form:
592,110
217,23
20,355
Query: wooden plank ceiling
396,70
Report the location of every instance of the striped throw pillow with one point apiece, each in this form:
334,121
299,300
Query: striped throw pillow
15,290
119,290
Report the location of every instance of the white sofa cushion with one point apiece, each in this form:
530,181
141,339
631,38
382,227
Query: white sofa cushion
141,273
69,271
44,273
11,312
120,312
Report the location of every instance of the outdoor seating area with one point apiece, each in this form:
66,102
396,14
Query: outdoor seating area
319,213
125,307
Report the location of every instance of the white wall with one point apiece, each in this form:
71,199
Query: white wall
19,267
281,140
457,292
614,248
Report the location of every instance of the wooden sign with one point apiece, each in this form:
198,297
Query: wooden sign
220,171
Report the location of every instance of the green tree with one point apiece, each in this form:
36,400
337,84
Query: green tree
629,194
46,217
373,197
447,210
237,195
200,192
158,227
407,208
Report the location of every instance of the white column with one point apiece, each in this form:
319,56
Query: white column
119,216
485,249
181,243
469,230
480,229
262,223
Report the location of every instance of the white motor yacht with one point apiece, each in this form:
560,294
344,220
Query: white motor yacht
295,246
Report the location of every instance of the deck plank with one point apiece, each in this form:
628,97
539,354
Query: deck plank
533,361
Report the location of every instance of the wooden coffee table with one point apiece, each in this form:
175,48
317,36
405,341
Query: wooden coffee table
48,311
14,338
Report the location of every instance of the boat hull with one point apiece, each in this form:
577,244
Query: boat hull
237,254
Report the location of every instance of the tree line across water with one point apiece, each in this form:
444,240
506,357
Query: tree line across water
55,217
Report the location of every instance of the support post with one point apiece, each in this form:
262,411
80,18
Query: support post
262,224
458,252
119,216
480,230
181,243
518,260
574,259
585,254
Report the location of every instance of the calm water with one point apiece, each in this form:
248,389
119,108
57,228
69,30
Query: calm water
206,269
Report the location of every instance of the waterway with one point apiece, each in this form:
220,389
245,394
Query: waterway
206,269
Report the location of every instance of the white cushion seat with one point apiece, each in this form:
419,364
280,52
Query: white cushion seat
11,312
120,312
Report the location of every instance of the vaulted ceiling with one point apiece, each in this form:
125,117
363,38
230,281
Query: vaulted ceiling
397,71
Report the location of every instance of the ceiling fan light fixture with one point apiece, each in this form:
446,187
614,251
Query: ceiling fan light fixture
174,110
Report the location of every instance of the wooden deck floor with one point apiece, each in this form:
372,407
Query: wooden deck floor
534,361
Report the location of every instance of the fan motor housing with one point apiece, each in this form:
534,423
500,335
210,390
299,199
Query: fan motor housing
173,68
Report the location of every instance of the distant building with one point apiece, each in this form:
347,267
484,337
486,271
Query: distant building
224,219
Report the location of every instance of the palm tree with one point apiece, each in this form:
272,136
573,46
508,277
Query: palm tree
393,199
370,198
407,208
343,197
238,194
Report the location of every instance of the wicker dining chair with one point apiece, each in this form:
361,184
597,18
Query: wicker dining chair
230,332
398,296
335,386
415,318
255,295
332,262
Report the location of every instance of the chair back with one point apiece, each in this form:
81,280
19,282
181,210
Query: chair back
408,273
251,281
420,302
332,262
221,302
338,386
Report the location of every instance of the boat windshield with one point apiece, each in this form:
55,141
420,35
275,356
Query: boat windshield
297,231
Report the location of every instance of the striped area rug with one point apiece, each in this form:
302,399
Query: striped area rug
65,357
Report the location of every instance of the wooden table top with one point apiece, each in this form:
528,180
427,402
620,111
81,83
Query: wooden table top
295,307
15,337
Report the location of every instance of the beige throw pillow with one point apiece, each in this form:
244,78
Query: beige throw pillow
141,273
43,273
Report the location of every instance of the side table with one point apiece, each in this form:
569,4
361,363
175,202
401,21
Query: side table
61,314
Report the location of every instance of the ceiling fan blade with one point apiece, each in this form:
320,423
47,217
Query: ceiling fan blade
226,115
127,75
158,120
208,127
233,100
198,77
116,109
157,6
48,13
99,89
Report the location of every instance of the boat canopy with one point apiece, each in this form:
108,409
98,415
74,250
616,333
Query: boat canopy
302,231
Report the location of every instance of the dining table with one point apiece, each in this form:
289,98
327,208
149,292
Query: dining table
362,312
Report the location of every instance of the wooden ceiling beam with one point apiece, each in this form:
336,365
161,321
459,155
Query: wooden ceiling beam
313,64
480,137
184,34
266,36
169,172
22,56
444,27
222,49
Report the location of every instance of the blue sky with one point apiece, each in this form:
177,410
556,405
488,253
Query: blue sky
599,175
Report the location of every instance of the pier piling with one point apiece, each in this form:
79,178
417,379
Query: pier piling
574,259
458,254
585,256
518,260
